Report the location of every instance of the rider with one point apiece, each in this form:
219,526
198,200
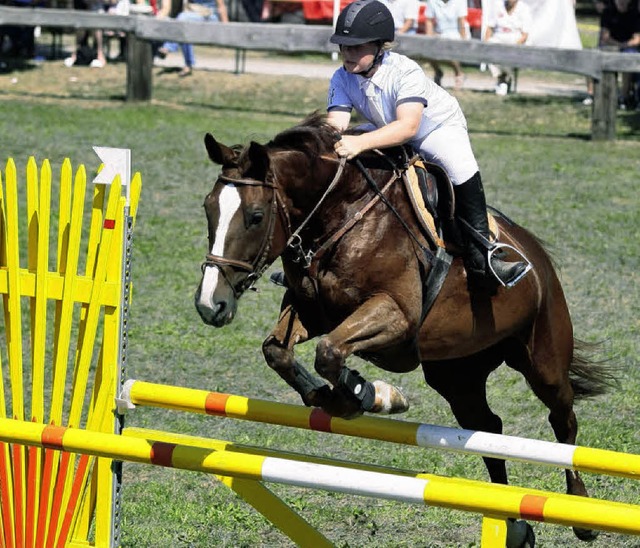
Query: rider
402,105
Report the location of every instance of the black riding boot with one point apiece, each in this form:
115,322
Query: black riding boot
471,207
278,278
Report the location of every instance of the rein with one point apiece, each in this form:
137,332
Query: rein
259,264
380,193
311,259
295,241
313,268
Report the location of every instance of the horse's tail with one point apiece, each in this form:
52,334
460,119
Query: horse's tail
590,378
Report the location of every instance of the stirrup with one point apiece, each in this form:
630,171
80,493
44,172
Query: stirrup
513,281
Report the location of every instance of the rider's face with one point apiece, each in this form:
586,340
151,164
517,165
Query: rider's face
358,58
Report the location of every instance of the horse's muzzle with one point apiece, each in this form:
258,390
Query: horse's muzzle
217,314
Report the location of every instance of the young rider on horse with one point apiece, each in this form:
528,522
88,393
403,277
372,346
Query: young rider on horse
402,105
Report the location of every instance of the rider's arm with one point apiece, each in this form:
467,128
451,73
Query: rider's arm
401,130
339,119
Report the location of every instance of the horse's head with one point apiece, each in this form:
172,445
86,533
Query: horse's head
262,192
242,215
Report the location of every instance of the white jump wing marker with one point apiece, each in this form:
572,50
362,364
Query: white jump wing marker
117,161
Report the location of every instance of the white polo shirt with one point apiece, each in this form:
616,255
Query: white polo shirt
401,10
508,27
442,136
397,80
446,15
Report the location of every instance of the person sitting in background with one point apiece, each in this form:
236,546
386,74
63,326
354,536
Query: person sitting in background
447,19
620,29
84,54
509,23
405,15
197,11
599,6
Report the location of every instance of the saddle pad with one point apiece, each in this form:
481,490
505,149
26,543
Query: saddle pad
424,216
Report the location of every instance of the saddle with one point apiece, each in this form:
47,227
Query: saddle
430,192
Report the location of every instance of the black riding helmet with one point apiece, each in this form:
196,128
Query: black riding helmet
364,21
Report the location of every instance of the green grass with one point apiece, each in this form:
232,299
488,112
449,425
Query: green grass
539,167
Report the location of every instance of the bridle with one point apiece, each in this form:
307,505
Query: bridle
259,264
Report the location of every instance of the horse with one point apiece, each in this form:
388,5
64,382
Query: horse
355,261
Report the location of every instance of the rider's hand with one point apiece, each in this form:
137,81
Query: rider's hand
348,147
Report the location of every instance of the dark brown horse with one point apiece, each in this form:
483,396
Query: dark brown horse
355,259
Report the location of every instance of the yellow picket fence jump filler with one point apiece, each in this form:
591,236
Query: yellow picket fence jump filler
62,353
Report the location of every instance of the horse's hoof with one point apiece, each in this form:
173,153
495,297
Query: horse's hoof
586,535
520,534
389,399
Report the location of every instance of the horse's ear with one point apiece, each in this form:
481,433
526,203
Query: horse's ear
259,156
220,154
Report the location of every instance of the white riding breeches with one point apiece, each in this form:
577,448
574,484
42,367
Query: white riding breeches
449,147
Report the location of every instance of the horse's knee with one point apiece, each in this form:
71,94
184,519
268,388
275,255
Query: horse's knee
329,360
274,354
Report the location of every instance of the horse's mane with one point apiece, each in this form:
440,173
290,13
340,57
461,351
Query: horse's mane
314,135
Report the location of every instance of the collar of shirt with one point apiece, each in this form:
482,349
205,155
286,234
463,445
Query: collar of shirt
372,86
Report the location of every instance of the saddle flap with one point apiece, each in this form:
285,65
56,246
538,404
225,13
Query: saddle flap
431,193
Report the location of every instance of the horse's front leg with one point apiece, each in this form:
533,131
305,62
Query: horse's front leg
279,355
377,325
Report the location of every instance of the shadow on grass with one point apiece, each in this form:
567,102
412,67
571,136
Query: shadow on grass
630,121
84,97
536,116
16,64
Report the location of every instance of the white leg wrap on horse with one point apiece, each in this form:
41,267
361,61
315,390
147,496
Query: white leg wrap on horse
389,399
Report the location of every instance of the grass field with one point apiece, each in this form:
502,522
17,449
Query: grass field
539,167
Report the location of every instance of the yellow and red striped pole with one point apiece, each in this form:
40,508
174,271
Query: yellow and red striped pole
469,495
409,433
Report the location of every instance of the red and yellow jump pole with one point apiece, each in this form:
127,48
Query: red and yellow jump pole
409,433
469,495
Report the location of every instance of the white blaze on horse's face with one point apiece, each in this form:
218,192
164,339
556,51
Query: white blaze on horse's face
228,205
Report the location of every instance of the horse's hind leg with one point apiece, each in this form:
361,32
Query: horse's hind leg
545,363
462,382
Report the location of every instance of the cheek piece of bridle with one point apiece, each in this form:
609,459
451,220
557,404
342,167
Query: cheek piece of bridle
259,264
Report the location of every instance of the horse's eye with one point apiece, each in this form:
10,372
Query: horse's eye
256,217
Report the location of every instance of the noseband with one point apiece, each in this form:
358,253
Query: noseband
259,264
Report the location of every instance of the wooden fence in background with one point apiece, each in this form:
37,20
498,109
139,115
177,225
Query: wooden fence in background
141,30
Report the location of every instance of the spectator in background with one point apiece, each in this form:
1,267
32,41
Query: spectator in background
447,19
195,11
620,30
405,15
509,23
84,53
599,6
